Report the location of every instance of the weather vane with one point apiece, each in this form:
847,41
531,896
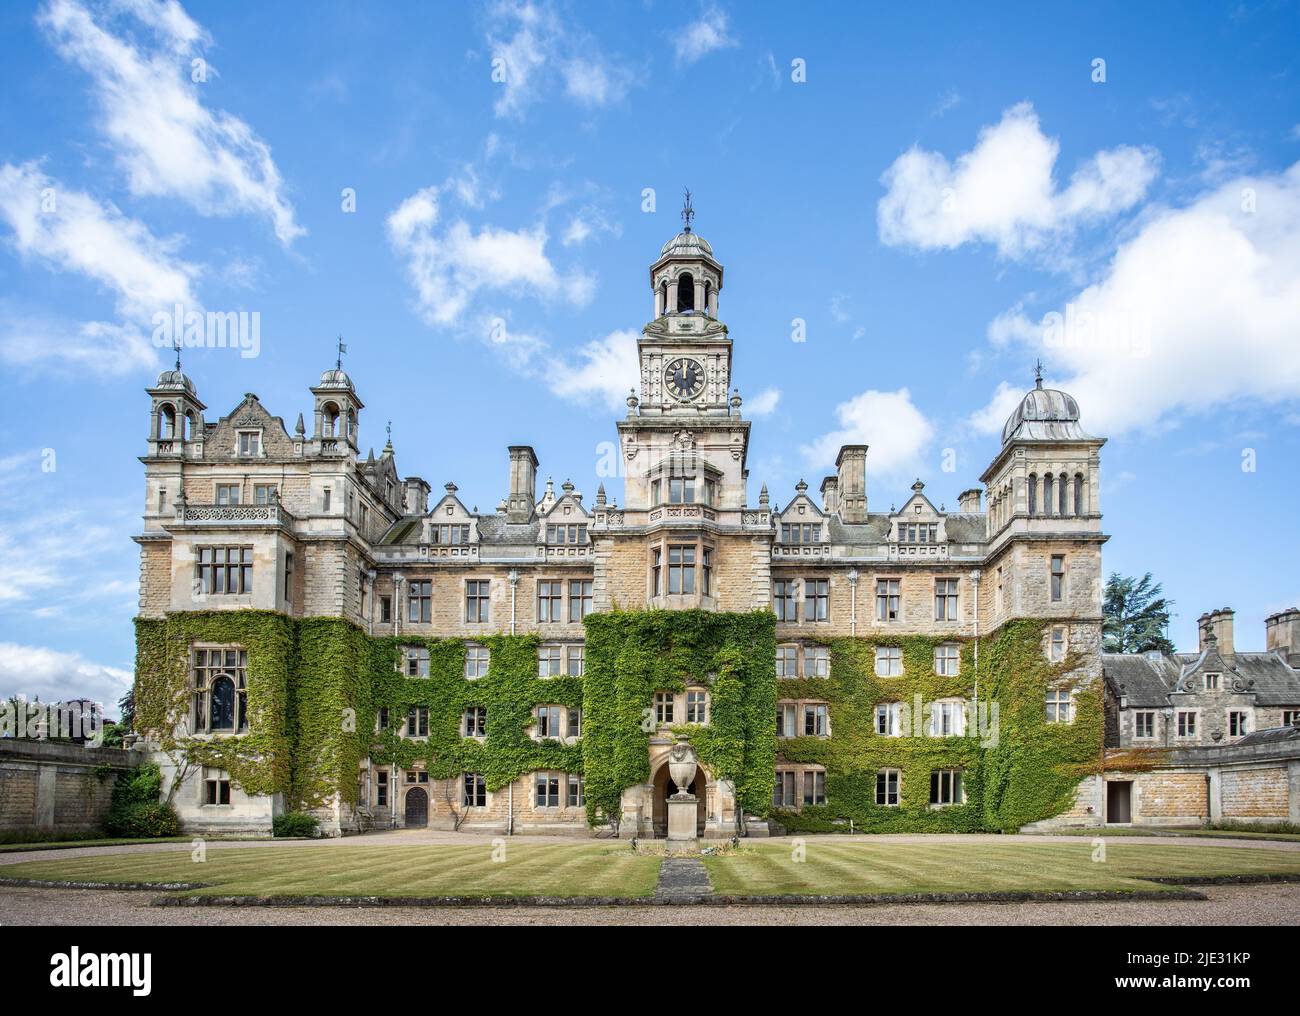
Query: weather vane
688,213
389,428
176,344
343,348
1038,373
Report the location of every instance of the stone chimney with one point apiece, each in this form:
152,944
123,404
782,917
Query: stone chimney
1220,623
1282,634
831,495
968,501
851,464
417,496
523,484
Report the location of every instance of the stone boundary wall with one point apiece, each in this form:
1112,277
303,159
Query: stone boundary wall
57,787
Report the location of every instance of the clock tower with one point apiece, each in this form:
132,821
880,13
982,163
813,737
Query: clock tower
686,423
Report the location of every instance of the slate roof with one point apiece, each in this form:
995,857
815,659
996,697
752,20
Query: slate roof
1146,680
1272,735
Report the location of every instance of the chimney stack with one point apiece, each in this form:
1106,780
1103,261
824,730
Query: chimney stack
968,501
851,464
1282,635
417,496
831,495
1220,623
522,501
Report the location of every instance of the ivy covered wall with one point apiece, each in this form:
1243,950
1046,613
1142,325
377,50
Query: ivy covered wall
1023,771
315,686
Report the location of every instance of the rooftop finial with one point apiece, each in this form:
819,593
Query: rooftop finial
389,429
343,348
176,343
688,211
1038,373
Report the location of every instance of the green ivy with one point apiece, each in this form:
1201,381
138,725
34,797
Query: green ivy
315,687
631,655
1026,773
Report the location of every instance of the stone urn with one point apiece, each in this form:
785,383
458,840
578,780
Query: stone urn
682,765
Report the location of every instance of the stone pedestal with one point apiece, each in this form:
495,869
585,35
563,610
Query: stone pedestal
681,822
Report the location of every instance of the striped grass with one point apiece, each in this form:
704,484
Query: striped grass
834,866
516,869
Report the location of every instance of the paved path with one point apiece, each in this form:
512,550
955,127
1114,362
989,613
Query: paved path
1277,904
683,878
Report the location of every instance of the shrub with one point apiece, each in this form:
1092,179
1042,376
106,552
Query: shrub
295,823
136,810
142,820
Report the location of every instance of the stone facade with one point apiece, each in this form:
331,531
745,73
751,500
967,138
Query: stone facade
49,787
318,529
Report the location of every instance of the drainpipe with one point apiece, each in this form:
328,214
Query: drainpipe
513,576
853,601
975,584
510,810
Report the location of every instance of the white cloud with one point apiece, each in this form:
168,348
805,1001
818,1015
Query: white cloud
703,36
896,431
1002,191
450,267
764,403
165,138
68,230
531,48
1196,310
587,223
604,371
53,676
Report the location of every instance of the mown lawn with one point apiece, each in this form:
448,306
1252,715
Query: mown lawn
523,869
832,866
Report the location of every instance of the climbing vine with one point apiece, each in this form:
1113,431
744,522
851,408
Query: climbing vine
631,655
1016,768
316,686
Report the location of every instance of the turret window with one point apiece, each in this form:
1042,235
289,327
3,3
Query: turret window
685,293
1047,494
1078,493
223,571
220,690
1033,494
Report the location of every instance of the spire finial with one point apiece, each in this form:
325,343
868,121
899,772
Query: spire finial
343,348
176,343
688,211
389,430
1038,373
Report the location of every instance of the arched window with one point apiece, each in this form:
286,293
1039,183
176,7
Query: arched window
352,423
708,292
663,296
191,426
1063,495
1078,493
166,421
685,292
1033,493
329,419
223,704
220,689
1047,494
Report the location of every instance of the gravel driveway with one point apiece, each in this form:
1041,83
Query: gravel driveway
1277,904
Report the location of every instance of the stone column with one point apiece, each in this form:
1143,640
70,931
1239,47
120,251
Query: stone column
672,297
699,296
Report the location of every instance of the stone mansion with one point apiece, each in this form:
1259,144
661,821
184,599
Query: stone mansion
245,514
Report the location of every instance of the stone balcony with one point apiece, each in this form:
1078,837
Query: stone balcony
223,515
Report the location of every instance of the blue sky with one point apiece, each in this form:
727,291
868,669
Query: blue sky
946,196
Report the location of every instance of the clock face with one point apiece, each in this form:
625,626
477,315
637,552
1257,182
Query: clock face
684,378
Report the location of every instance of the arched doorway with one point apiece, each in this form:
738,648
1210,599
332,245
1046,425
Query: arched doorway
417,807
664,787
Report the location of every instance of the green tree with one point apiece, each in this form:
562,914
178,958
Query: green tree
1136,615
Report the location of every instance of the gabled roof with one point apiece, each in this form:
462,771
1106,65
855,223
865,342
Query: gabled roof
1146,679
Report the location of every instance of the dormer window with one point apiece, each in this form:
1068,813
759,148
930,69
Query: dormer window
801,532
918,532
449,534
575,533
1211,682
250,443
